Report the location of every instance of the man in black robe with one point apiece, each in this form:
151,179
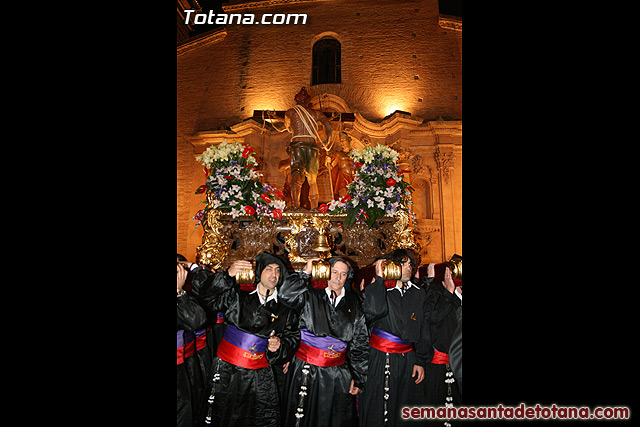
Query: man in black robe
399,344
443,300
260,332
190,317
329,368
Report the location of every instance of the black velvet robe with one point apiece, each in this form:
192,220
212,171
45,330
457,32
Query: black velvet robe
328,402
403,316
441,306
190,383
241,396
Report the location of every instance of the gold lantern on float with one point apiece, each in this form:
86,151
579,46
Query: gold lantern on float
245,276
455,265
321,269
391,270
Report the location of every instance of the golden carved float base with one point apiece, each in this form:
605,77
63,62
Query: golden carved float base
227,239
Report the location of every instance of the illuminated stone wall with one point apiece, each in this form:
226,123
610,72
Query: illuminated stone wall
395,56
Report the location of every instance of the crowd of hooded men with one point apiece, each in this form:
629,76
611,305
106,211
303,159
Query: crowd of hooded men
286,352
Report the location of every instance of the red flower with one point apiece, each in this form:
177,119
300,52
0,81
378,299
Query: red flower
323,207
391,182
201,189
206,172
365,215
279,193
246,152
277,213
228,176
345,198
249,210
404,171
265,197
358,164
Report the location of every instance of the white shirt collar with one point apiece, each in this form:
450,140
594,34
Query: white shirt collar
274,296
458,294
338,298
409,285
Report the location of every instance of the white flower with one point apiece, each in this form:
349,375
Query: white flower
370,203
278,204
335,204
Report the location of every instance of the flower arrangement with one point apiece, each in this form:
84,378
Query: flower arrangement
235,185
377,188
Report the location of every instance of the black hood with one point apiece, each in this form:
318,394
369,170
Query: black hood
264,259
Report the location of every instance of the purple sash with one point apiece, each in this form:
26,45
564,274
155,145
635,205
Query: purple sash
322,343
389,337
321,351
245,340
389,343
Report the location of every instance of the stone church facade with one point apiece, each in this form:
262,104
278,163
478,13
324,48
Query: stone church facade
386,72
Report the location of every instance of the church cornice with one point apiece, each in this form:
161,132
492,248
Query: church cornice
387,127
200,140
450,22
201,41
441,127
243,5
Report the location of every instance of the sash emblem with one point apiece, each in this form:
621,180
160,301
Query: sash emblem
331,354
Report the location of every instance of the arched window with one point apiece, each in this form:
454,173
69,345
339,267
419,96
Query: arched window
326,62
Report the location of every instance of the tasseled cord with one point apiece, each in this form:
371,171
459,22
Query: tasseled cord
302,394
216,378
449,400
387,372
